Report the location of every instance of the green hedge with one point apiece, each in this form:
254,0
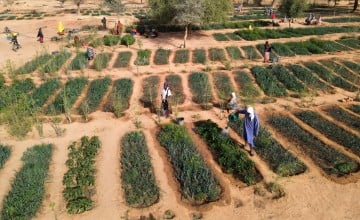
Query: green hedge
43,93
200,88
246,85
123,59
27,189
137,175
5,152
95,94
268,82
198,183
119,97
343,116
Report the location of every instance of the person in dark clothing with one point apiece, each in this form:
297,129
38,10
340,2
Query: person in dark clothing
103,21
267,51
40,36
165,93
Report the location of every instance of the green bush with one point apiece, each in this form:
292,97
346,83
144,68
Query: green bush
143,57
200,88
234,53
251,53
220,37
181,56
177,89
150,92
290,81
227,153
331,130
123,59
111,40
280,160
199,56
5,152
119,97
268,82
127,40
135,166
96,92
43,93
223,86
162,56
326,157
340,114
101,61
27,189
198,183
245,84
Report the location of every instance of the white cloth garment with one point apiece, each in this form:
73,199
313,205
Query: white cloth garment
165,93
250,110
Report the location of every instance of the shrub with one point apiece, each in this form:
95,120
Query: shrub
251,53
127,40
198,184
342,71
280,160
268,82
119,97
111,40
181,56
234,52
199,56
5,152
343,116
123,59
331,130
101,61
223,86
96,92
290,81
32,65
42,94
143,57
56,62
27,189
177,89
326,157
227,152
220,37
136,165
245,84
217,54
150,92
200,88
162,57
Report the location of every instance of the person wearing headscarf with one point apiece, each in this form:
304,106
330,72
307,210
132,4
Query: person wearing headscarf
232,102
40,36
165,93
251,126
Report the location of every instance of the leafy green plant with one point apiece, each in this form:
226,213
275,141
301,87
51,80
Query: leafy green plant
10,95
27,189
340,114
150,92
220,37
245,84
251,53
198,183
79,62
223,86
111,40
33,64
331,130
127,40
162,56
46,89
181,56
200,88
143,57
5,152
123,59
326,157
290,81
178,96
279,159
135,166
268,82
118,100
101,61
199,56
54,64
96,92
227,153
234,52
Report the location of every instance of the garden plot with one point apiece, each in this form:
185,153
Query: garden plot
123,59
199,56
234,53
79,180
94,95
135,166
330,160
217,54
223,86
342,71
46,89
330,77
268,82
54,64
220,37
181,56
308,78
5,152
200,88
355,108
118,100
233,36
150,95
251,53
67,96
279,159
246,85
331,130
13,93
27,188
290,81
143,57
281,49
227,153
350,42
355,67
34,64
343,116
177,89
80,62
328,46
162,56
299,48
101,61
342,19
198,183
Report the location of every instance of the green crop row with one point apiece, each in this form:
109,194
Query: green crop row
350,42
56,62
342,19
9,95
200,88
46,89
233,36
355,108
118,100
227,153
198,183
299,48
331,161
290,81
177,89
67,96
79,180
199,56
351,65
329,77
342,71
280,160
150,92
101,61
328,46
220,37
234,53
138,179
343,116
123,59
308,78
268,82
5,152
143,57
282,50
79,62
251,53
162,56
33,64
245,84
331,130
223,86
27,189
95,94
111,40
217,54
181,56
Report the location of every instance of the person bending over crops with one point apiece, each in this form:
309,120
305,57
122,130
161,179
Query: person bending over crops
232,103
165,93
251,126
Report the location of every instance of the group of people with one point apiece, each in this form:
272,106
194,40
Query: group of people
311,19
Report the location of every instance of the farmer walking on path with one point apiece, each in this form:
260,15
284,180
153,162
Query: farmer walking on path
251,126
40,36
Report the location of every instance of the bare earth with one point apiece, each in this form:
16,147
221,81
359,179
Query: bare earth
308,196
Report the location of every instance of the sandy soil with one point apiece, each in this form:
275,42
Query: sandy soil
311,195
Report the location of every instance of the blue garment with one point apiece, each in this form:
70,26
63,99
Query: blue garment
250,127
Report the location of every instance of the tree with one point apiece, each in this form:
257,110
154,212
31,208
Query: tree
216,10
115,5
78,3
292,8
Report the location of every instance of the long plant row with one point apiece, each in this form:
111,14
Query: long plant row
343,116
5,152
55,63
79,180
355,108
178,96
118,100
198,183
268,82
342,71
34,64
200,87
246,85
137,175
27,189
150,92
227,152
45,90
223,86
289,80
